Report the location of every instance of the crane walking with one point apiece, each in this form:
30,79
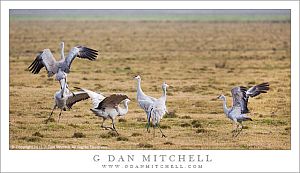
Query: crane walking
158,109
144,100
237,113
108,107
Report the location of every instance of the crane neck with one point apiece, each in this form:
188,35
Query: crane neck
139,89
226,110
62,54
164,95
64,88
123,111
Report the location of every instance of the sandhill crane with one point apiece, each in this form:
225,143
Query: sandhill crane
65,99
158,109
108,107
144,101
61,67
237,113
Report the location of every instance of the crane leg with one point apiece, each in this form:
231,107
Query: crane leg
235,131
148,123
59,116
239,130
102,125
50,114
113,125
162,134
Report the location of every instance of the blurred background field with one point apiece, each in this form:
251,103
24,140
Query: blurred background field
200,53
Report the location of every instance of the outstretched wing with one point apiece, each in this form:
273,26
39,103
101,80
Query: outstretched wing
258,89
44,59
112,101
239,98
241,95
81,52
78,96
95,97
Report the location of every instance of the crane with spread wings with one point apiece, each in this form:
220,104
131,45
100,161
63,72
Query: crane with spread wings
61,67
237,113
108,107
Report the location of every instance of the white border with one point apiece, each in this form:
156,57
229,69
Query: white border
76,161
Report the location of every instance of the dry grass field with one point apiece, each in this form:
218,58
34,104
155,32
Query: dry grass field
199,60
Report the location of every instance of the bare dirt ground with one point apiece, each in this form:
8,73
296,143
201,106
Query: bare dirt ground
200,60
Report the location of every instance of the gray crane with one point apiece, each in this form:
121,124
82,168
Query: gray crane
108,107
62,67
64,99
237,113
144,100
158,109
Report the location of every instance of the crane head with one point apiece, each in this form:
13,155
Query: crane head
221,97
137,77
165,85
127,100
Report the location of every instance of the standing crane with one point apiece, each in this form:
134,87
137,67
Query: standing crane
144,100
158,109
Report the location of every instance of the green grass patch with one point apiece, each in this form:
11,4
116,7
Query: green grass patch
186,117
110,134
38,134
122,138
274,122
78,135
201,130
122,120
32,138
136,134
171,114
156,17
185,125
145,145
168,143
165,127
196,124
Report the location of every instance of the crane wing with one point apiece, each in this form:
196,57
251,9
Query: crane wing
44,59
78,96
240,98
112,101
81,52
95,97
241,95
258,89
